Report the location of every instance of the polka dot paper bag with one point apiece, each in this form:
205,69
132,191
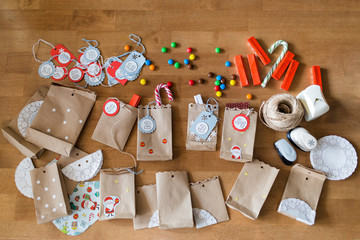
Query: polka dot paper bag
50,196
60,119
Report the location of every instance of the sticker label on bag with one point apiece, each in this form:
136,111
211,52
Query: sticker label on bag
111,107
204,124
241,122
131,67
236,152
63,55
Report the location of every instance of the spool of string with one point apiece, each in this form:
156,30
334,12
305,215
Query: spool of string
281,112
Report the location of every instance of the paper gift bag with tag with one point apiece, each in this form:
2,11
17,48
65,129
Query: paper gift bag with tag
147,215
208,202
15,131
202,127
117,193
302,193
116,121
154,135
174,200
50,197
59,121
238,136
252,188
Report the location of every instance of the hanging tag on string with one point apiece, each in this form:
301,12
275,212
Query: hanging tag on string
95,81
76,74
93,69
205,122
147,124
108,70
91,53
113,71
62,55
131,67
60,73
82,61
46,69
111,107
241,122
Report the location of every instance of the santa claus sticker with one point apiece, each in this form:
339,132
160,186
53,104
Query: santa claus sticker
241,122
110,203
236,152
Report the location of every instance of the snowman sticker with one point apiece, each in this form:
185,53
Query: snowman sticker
236,152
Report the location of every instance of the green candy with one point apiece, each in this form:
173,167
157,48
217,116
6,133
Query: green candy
177,65
217,50
164,49
217,83
173,44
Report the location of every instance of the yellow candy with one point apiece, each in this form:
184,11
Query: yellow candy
143,81
192,57
232,82
218,93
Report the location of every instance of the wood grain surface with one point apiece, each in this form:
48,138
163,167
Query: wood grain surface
324,33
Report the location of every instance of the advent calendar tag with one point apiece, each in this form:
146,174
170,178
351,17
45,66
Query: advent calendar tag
147,124
94,81
62,55
84,63
131,67
241,122
46,69
76,74
111,107
94,69
112,70
60,73
204,124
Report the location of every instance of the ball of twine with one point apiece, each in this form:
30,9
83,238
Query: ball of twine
281,112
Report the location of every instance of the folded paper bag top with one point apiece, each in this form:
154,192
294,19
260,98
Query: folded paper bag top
60,119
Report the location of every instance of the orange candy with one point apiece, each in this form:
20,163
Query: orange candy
249,96
126,47
152,67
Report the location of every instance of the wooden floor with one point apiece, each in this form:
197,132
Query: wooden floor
324,33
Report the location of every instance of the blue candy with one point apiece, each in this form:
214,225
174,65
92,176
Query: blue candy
222,86
170,61
186,61
218,77
148,62
227,63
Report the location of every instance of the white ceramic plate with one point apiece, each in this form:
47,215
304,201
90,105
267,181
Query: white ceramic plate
335,156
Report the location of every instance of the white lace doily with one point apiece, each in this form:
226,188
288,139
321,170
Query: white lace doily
297,209
27,115
335,156
203,218
154,220
22,177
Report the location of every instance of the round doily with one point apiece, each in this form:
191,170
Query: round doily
335,156
298,209
27,115
22,177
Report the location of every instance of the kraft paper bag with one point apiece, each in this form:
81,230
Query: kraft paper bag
147,215
302,193
59,121
238,136
118,127
252,188
155,145
194,142
50,198
208,202
117,193
15,131
174,200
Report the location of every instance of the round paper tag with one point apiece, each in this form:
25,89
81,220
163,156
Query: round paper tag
94,69
64,57
83,60
76,74
147,124
111,107
46,69
131,66
241,122
201,128
91,54
59,74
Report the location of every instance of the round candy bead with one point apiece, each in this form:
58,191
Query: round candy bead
126,47
223,81
227,63
218,50
170,61
217,83
177,65
218,77
201,81
186,61
169,84
192,57
210,74
233,76
191,82
218,94
232,82
143,81
164,49
189,49
190,66
249,96
148,62
216,88
173,44
152,67
222,86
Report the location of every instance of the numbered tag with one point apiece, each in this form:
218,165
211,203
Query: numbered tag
95,81
76,74
63,55
81,59
131,67
241,122
147,124
204,124
112,70
91,54
46,69
111,107
60,73
94,69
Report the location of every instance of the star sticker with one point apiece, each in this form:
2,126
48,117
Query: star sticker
48,130
209,139
134,57
61,50
66,137
54,109
213,134
203,117
197,138
311,143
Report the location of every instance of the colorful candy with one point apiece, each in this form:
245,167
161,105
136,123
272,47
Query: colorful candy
201,81
217,50
157,93
218,77
190,66
233,77
126,47
248,96
227,63
223,81
148,62
191,82
169,84
152,67
143,81
222,86
218,94
186,61
217,88
192,57
189,50
173,44
217,83
177,65
232,82
210,74
164,49
170,61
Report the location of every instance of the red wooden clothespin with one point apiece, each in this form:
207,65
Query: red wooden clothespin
284,63
254,69
259,51
241,70
135,100
316,76
285,85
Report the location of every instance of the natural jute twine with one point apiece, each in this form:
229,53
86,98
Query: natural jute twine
281,112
